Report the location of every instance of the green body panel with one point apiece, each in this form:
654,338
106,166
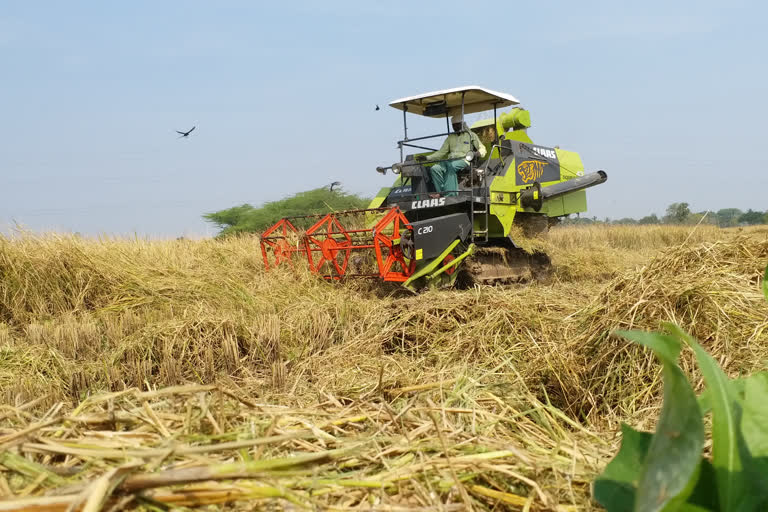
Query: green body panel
518,135
520,121
495,228
563,205
503,189
381,196
516,119
383,193
503,210
575,202
425,268
570,164
434,273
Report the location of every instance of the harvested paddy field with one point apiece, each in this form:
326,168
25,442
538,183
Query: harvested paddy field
160,374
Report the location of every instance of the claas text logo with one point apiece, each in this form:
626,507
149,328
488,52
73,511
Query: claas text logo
530,170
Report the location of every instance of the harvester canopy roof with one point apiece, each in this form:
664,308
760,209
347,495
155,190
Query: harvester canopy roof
438,103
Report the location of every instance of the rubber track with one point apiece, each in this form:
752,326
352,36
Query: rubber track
498,265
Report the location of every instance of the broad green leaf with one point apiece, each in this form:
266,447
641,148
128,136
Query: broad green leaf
683,497
704,494
665,347
616,487
705,400
672,462
726,415
754,428
754,421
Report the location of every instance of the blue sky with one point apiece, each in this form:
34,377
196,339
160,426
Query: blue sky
668,97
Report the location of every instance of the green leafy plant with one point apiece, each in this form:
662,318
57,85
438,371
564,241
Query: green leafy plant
666,470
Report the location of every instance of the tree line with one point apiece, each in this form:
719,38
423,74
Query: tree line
680,213
250,219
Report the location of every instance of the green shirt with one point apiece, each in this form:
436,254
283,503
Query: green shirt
457,145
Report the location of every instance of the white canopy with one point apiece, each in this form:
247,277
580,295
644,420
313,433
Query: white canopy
476,99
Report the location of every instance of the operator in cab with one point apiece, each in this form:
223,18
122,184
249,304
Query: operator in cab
454,150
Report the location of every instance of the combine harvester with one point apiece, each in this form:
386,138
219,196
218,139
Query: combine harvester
413,235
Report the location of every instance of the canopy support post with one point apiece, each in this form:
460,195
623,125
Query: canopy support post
405,130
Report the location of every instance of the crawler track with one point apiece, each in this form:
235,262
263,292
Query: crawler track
502,265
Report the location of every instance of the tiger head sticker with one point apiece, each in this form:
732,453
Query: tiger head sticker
530,170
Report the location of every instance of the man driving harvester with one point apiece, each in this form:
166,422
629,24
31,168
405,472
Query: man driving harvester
454,151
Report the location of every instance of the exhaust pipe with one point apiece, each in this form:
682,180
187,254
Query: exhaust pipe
535,196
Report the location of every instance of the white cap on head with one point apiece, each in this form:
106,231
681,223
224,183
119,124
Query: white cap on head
457,119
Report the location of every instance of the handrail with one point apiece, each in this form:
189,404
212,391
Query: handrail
425,137
418,147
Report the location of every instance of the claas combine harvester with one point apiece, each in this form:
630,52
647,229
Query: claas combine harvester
413,235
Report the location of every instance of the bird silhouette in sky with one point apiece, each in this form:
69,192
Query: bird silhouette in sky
334,184
377,107
185,134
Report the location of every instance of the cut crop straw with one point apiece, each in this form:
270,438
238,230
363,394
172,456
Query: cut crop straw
153,375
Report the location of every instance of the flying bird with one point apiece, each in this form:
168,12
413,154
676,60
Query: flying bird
377,107
334,184
186,134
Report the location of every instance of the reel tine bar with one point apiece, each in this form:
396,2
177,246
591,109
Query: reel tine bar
280,247
328,244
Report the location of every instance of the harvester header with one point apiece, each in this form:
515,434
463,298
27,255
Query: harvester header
449,217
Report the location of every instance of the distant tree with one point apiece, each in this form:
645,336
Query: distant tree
649,219
625,220
705,217
577,221
248,219
728,217
677,213
752,217
235,216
